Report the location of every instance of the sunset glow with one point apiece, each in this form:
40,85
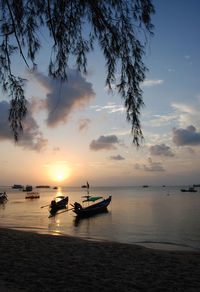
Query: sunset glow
76,130
59,173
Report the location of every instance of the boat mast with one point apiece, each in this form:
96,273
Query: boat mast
88,186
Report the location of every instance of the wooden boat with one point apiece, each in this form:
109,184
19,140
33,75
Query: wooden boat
3,197
27,188
58,204
17,187
190,189
32,195
86,186
92,209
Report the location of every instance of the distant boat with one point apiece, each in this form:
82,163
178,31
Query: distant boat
55,188
17,187
87,186
42,187
145,186
32,195
190,189
3,197
92,209
28,188
196,186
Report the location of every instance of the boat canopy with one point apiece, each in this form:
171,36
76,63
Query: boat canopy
92,199
60,197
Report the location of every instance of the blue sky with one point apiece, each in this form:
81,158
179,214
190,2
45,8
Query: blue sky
85,136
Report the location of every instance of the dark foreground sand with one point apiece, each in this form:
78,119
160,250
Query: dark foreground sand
33,262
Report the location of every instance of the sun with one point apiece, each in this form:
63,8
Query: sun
60,176
59,173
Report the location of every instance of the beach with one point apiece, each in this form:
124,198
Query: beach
39,262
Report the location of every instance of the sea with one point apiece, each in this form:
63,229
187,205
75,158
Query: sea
160,217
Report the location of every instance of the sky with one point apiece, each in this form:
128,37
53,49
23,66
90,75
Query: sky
77,131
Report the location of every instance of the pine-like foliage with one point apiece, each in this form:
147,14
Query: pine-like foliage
120,27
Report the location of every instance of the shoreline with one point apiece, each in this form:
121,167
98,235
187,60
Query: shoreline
165,246
41,262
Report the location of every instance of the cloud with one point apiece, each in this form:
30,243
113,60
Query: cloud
117,157
110,108
56,149
190,150
187,114
153,166
187,57
5,132
104,142
161,150
36,105
137,166
83,124
31,139
188,136
150,83
64,98
182,114
171,70
155,120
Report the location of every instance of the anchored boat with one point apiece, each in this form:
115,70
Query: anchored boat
32,195
59,203
3,197
190,189
28,188
92,209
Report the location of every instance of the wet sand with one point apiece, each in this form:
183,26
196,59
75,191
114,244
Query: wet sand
35,262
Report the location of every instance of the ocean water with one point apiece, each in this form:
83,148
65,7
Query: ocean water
158,217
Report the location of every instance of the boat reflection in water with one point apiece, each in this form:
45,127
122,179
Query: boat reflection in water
78,219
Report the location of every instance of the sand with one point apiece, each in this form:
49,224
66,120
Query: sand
35,262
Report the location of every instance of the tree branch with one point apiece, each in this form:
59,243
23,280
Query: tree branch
51,24
7,55
14,28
